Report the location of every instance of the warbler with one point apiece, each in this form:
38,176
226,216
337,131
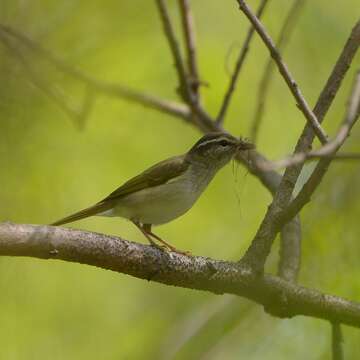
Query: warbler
167,189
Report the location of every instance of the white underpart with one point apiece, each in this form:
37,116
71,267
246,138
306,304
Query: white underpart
163,203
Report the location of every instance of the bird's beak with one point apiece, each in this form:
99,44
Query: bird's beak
245,144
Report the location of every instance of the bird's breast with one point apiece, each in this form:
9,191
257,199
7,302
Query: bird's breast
163,203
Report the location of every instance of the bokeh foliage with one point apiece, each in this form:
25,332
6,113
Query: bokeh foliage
56,310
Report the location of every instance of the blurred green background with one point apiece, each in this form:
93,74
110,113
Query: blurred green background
49,168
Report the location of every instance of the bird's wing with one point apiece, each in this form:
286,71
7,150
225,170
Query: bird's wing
158,174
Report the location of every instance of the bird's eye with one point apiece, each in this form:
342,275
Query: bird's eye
223,143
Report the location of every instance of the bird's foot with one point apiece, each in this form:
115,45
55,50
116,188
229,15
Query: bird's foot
181,252
169,247
157,246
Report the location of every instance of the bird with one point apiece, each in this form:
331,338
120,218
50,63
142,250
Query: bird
168,189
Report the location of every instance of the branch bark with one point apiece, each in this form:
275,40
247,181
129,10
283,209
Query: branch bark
279,297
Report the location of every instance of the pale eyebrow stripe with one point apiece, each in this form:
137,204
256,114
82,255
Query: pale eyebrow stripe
215,140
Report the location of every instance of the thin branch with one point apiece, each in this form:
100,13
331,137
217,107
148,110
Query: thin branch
189,34
304,196
336,341
260,247
345,156
111,89
240,61
284,71
199,115
301,158
184,89
279,297
264,85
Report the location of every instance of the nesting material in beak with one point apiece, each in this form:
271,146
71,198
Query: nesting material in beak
245,144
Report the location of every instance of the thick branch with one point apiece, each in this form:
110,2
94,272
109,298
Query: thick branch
239,63
279,297
264,84
284,71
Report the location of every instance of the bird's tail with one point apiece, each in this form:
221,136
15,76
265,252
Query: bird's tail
82,214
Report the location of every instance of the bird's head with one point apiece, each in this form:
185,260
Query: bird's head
217,148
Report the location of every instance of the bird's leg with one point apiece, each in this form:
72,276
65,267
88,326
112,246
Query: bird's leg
147,229
147,235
